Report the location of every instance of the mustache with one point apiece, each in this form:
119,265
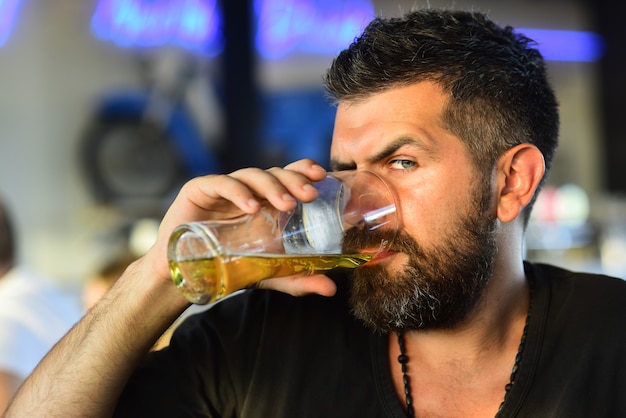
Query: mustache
356,239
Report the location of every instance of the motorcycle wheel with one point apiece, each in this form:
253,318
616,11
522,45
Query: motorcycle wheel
129,159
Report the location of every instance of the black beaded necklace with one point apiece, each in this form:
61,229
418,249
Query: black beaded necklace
403,359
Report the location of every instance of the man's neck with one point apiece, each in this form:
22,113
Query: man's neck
471,361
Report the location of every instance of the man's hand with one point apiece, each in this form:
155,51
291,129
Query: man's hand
215,197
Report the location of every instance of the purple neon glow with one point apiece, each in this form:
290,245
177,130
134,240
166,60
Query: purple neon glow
311,26
566,45
8,12
284,27
191,24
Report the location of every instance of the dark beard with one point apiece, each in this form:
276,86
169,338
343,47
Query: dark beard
438,287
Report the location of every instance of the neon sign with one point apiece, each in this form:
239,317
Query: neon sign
310,26
191,24
8,12
566,45
283,27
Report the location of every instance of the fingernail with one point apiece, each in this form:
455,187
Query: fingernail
309,187
253,203
288,197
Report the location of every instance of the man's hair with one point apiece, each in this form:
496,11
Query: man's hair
499,94
7,240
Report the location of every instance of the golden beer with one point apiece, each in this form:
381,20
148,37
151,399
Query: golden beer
209,279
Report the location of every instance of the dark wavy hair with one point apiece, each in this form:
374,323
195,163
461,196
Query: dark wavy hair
499,94
7,240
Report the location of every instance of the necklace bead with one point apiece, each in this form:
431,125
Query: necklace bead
403,359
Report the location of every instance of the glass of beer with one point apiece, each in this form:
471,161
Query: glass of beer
211,259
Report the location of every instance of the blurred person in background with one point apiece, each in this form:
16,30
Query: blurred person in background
34,314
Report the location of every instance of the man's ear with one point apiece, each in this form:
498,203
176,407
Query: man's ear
518,174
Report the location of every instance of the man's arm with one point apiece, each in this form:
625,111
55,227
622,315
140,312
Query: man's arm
86,371
84,374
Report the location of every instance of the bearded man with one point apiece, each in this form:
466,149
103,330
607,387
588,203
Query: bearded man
456,114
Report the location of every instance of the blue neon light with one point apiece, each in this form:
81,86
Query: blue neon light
566,45
284,26
8,12
191,24
310,26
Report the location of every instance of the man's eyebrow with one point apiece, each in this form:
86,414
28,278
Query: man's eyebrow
383,154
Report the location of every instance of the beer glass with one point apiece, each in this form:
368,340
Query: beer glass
209,260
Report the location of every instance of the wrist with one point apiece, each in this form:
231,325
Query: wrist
151,285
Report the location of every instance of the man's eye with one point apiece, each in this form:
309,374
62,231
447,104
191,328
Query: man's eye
403,164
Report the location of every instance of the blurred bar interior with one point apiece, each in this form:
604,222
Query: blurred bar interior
109,105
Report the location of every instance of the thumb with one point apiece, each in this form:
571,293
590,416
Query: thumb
300,285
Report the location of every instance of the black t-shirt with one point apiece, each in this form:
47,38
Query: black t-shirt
267,354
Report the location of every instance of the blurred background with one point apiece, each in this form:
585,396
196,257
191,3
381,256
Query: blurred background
107,106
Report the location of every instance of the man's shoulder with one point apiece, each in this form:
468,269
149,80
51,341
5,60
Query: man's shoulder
585,291
561,276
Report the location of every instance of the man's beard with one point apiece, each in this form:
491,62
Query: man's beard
439,286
